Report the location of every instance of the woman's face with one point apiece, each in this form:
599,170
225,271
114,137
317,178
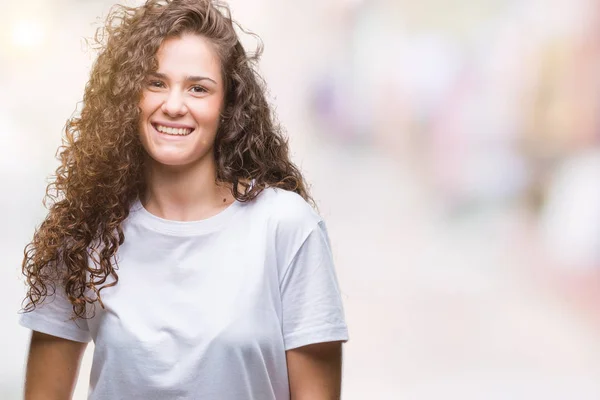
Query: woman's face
181,103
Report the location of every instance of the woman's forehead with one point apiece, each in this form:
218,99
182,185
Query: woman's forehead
188,55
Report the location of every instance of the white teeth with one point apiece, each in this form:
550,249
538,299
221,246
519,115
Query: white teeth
173,131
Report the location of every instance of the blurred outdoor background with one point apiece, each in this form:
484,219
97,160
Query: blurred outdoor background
454,150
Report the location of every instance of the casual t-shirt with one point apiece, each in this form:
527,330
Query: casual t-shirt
207,309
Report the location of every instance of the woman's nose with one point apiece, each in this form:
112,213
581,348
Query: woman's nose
174,104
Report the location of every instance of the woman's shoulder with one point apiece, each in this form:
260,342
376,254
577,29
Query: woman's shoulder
285,207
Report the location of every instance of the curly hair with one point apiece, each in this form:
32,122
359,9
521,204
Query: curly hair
102,159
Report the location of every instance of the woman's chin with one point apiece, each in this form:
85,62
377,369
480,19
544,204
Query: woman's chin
169,160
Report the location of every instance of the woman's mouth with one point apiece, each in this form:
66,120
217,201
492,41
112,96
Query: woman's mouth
172,131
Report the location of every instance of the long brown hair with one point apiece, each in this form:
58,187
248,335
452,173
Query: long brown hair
101,171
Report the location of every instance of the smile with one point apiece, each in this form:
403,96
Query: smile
172,131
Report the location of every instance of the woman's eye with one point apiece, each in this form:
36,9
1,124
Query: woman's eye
155,84
198,89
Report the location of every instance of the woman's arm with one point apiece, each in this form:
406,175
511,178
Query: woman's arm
315,371
52,367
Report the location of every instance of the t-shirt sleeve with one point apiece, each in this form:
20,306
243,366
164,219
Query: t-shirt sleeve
53,317
312,309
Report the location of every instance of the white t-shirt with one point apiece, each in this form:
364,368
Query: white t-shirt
207,309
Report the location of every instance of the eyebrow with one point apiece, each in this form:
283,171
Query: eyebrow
189,78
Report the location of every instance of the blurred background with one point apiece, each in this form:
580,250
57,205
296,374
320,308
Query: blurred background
454,150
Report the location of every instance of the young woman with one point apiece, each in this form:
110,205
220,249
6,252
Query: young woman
180,238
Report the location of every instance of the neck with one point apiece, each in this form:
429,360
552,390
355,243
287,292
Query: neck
186,193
